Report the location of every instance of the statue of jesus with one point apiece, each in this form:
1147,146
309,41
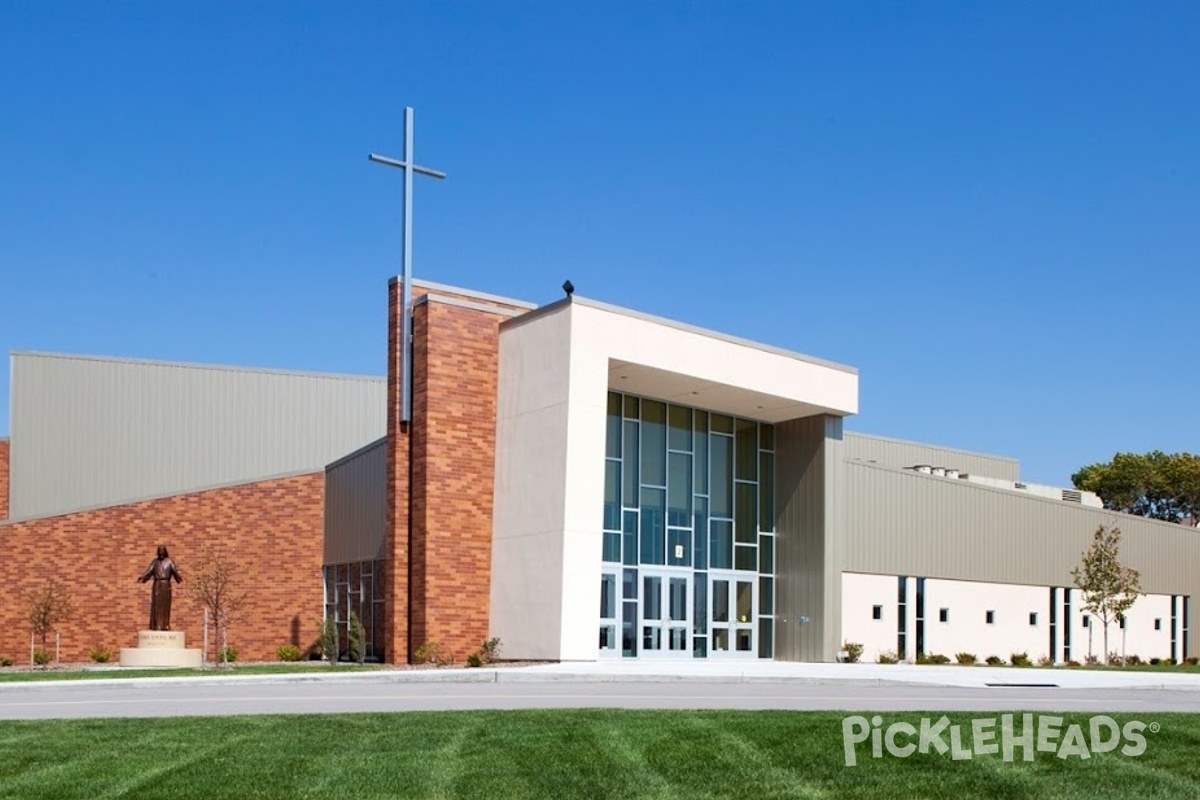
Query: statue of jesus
162,569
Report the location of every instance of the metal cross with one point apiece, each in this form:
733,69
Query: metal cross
406,301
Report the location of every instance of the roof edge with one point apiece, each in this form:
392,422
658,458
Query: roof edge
977,453
162,496
353,454
708,332
445,287
151,362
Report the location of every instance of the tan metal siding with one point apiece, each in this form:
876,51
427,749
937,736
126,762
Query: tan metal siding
809,508
356,506
89,432
898,453
904,523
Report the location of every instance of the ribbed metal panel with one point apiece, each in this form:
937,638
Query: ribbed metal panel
898,453
810,506
89,431
356,506
904,523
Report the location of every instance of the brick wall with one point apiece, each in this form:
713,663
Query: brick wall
271,530
4,451
453,453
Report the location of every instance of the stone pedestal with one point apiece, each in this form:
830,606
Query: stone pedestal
160,649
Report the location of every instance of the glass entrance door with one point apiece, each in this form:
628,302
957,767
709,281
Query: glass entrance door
732,600
665,614
610,645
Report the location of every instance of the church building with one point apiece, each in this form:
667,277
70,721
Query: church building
580,480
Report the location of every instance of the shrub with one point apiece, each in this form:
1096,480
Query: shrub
490,650
1073,663
888,657
430,653
41,657
287,652
1192,661
1154,662
357,649
475,660
1115,658
1133,660
1045,661
1091,660
854,651
994,661
227,655
1021,660
932,658
101,655
327,640
5,662
965,658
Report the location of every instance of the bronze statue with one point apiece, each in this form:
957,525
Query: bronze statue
162,569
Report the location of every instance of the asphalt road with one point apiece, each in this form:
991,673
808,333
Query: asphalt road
139,699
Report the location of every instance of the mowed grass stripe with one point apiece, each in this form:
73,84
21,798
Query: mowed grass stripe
554,754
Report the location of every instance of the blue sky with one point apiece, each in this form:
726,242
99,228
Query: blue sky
992,210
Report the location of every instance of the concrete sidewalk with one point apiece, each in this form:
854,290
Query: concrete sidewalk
689,671
879,674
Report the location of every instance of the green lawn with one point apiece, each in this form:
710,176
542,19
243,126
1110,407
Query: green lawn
10,675
554,754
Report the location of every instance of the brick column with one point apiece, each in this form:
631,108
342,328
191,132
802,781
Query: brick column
4,455
440,511
395,581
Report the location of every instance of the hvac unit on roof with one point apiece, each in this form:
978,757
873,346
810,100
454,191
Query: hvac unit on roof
925,469
951,473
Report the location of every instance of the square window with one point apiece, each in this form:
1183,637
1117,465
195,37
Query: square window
1033,618
944,615
991,617
876,612
1158,624
1087,622
1121,621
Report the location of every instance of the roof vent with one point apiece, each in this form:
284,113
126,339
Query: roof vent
1072,496
924,469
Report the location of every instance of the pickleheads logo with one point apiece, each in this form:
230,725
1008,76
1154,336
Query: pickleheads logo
989,736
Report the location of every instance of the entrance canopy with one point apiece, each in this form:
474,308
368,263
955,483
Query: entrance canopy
557,366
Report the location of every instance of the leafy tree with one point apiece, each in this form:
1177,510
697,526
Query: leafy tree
214,585
47,607
1156,485
1109,588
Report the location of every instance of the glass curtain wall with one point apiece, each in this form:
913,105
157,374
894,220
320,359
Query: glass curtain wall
689,541
356,587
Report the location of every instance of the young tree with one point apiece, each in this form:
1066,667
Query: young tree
214,584
1109,587
47,607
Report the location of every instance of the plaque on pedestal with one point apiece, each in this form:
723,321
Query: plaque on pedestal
160,649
